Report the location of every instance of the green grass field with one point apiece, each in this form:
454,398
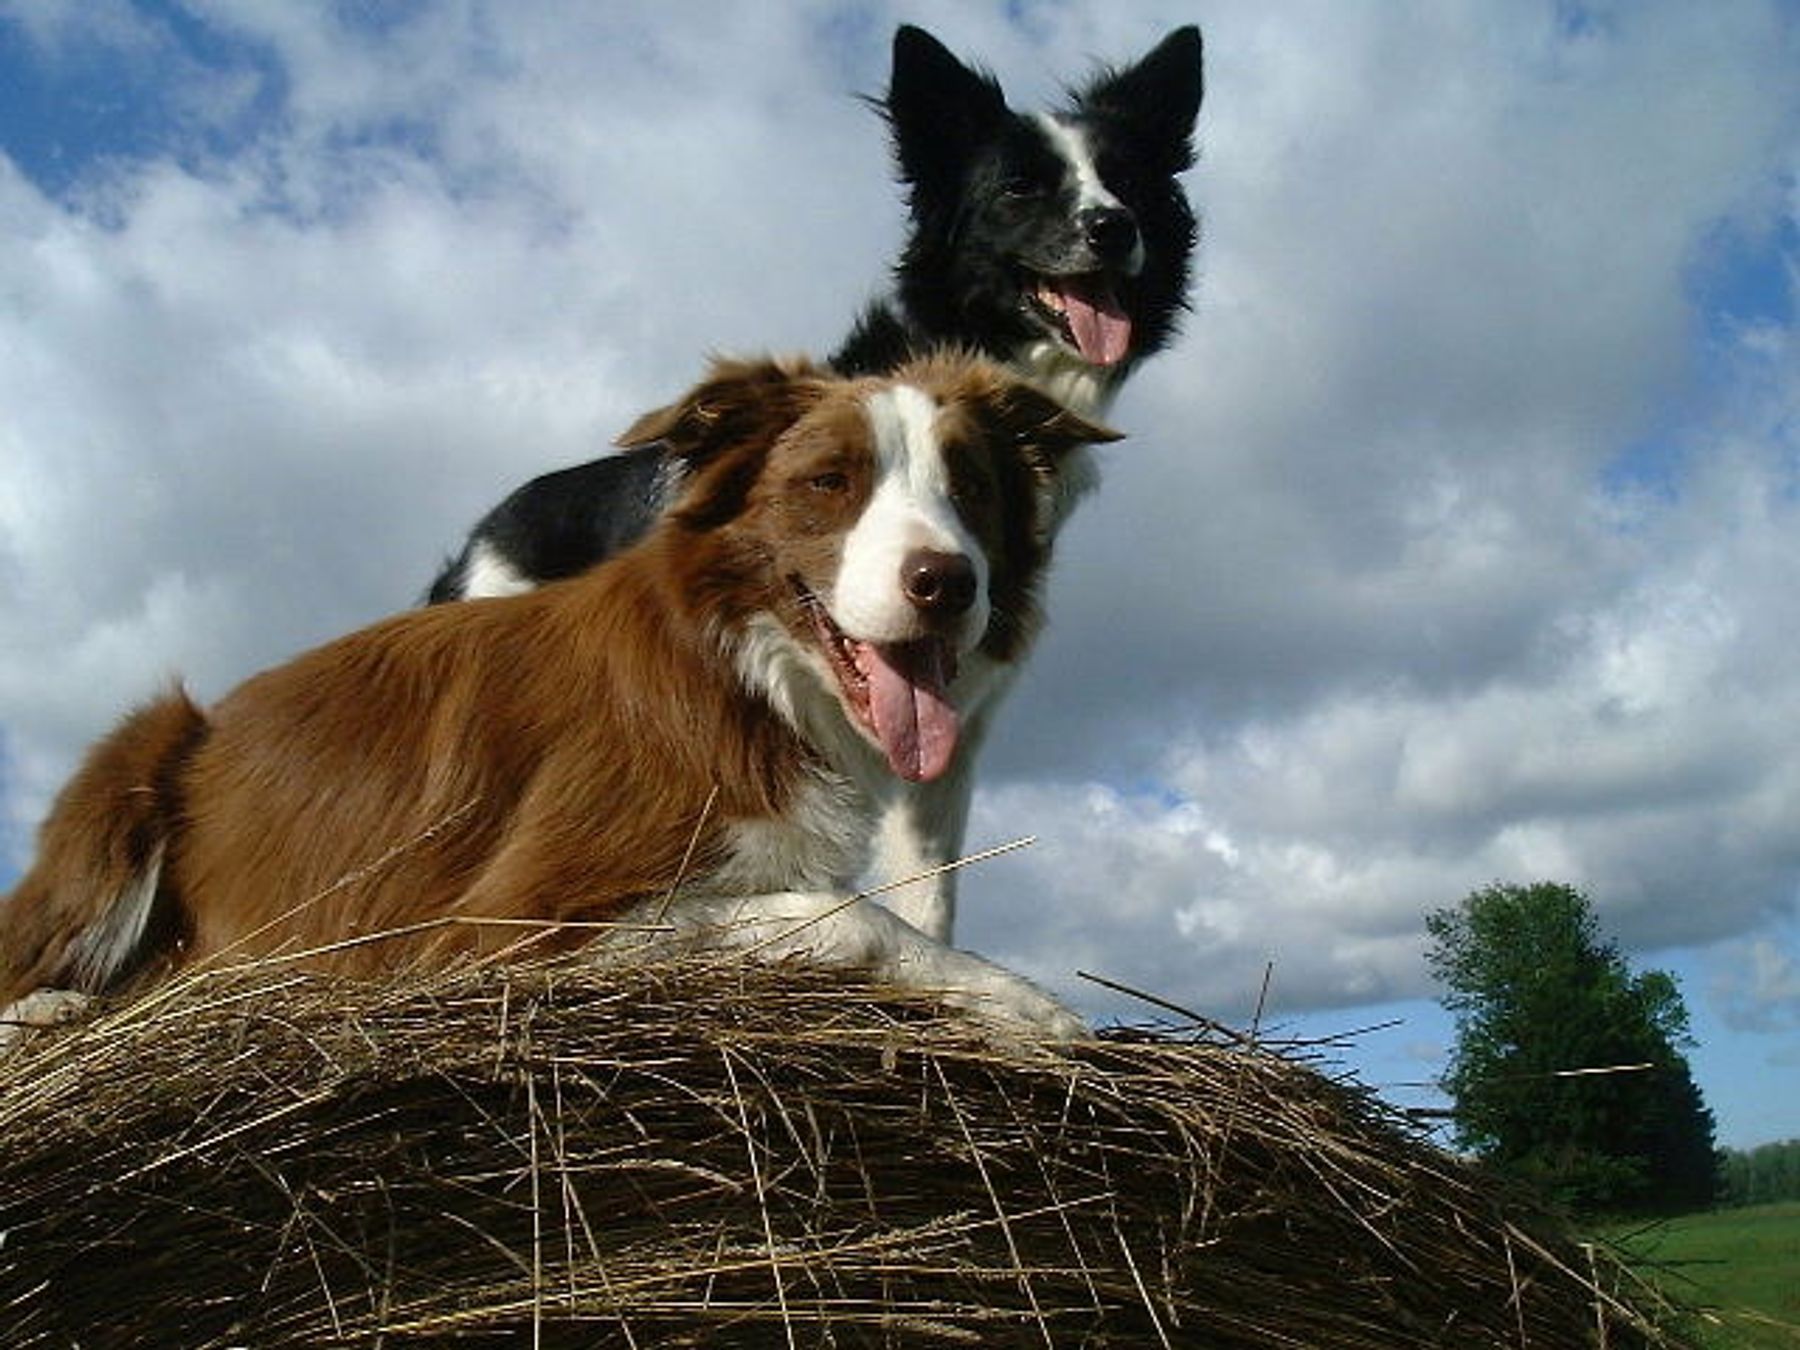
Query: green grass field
1739,1267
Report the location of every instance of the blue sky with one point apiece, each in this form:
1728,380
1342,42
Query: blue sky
1455,542
75,105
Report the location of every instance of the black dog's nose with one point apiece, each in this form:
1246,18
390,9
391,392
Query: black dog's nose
938,584
1110,232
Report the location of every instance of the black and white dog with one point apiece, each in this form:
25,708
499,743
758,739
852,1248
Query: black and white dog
1058,243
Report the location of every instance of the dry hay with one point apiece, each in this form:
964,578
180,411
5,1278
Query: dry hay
692,1154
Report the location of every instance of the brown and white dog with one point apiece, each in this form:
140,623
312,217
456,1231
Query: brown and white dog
850,570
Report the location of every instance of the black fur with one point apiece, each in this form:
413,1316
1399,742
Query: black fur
995,216
564,522
988,209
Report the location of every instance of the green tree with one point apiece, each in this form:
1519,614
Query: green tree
1762,1175
1550,1021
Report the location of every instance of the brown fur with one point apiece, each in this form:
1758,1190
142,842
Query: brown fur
103,832
547,757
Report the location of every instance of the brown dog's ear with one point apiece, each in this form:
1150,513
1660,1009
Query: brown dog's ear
1043,428
736,399
741,406
1044,434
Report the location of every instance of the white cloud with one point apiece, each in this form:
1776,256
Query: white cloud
1361,587
1757,983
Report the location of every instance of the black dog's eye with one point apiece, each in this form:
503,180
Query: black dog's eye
1128,178
1019,186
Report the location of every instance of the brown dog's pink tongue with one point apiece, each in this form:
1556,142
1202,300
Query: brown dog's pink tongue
909,703
1102,329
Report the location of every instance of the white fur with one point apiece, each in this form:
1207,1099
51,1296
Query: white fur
799,685
1062,374
1071,142
910,508
824,838
922,825
111,943
830,929
918,834
489,574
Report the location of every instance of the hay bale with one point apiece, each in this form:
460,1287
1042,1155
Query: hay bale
698,1153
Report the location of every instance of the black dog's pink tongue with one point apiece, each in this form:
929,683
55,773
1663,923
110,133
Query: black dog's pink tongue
1101,327
909,703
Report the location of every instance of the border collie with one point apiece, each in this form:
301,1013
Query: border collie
700,732
1058,243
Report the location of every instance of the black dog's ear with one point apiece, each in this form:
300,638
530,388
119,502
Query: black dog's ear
1157,99
937,108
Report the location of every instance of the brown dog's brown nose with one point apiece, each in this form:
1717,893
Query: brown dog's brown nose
939,585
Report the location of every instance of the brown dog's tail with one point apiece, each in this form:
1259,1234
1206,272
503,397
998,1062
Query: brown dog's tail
93,910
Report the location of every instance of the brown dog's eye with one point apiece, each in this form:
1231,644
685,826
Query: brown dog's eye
831,483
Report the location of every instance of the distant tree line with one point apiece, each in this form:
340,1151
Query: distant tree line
1760,1176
